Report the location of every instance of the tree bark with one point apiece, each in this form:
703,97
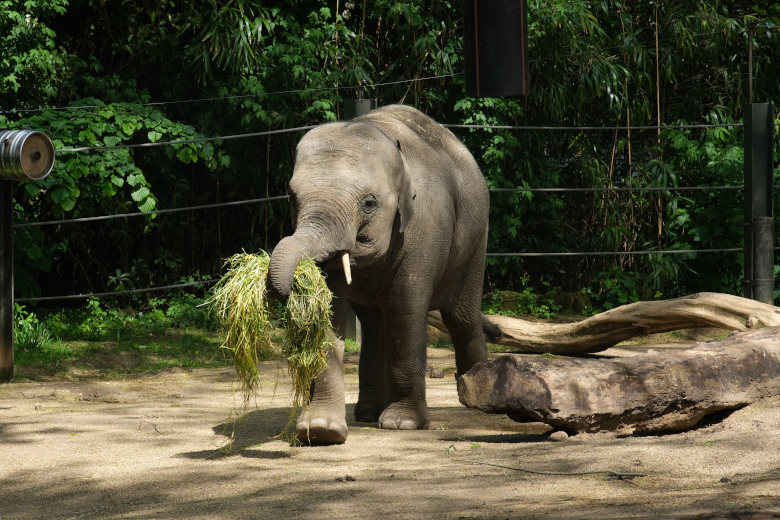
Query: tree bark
646,393
609,328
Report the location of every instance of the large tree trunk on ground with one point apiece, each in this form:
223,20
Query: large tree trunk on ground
645,393
637,319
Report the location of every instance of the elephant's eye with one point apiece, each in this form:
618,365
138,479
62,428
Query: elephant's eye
369,203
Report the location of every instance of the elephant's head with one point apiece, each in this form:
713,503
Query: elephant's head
351,196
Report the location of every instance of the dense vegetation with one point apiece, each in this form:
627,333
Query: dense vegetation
157,70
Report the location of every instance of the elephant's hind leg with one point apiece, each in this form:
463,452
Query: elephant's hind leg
372,398
463,317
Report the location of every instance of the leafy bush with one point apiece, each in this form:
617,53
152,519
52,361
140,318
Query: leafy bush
101,320
30,335
614,288
525,302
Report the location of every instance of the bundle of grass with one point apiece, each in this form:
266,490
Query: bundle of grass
307,329
241,301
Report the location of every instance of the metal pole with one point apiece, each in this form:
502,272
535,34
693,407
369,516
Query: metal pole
758,283
6,281
750,64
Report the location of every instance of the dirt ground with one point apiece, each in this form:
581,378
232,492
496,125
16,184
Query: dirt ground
148,447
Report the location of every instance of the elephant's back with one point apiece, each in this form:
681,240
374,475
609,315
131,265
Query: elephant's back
438,153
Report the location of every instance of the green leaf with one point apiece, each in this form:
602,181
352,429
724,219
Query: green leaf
34,252
32,189
67,203
148,204
140,193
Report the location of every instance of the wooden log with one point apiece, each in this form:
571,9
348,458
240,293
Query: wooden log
646,393
609,328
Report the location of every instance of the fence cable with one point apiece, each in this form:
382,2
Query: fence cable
244,96
206,282
620,253
283,197
185,141
142,213
591,128
446,125
115,293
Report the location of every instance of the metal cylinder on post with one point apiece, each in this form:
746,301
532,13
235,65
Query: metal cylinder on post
24,155
763,286
358,107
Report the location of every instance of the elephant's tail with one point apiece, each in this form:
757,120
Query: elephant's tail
491,330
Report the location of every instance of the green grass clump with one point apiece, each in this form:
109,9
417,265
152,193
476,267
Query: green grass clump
242,303
307,329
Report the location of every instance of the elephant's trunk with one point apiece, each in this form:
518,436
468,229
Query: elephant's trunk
291,250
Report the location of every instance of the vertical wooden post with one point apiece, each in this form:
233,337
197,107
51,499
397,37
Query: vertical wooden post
758,283
6,281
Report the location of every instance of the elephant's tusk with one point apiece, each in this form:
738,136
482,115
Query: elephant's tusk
347,271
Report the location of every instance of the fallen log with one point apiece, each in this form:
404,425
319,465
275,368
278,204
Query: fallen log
645,393
609,328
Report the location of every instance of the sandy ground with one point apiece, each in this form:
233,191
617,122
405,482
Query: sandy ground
148,448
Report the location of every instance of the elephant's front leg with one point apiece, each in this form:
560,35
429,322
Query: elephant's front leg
406,358
324,421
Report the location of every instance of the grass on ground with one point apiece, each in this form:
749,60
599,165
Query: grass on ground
137,354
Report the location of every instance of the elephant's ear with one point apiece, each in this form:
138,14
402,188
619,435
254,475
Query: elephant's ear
406,194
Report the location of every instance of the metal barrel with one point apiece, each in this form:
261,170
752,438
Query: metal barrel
25,155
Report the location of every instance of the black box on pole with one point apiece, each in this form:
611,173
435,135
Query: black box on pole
758,283
495,47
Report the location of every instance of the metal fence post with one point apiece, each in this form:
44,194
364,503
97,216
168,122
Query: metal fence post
758,282
24,155
6,280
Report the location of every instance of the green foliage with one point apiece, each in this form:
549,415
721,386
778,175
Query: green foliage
30,61
615,288
101,321
259,66
525,302
31,337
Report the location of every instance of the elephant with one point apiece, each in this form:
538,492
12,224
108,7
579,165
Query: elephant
394,209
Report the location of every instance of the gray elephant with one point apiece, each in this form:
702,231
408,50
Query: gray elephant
394,209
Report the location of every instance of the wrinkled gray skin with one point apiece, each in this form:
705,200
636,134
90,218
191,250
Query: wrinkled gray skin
407,201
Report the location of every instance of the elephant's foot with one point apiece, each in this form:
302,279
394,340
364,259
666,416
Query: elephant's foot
405,416
319,426
367,412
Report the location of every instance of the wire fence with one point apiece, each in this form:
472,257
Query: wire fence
285,197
